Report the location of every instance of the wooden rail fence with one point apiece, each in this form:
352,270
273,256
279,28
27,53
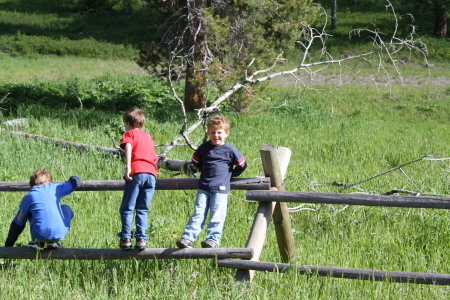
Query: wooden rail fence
109,254
272,197
161,184
349,199
360,274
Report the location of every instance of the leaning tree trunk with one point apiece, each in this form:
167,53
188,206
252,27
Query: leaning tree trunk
195,88
333,13
441,21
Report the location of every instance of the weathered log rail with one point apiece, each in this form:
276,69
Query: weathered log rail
349,199
119,254
360,274
161,184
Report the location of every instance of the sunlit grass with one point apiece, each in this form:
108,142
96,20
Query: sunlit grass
346,134
332,139
38,68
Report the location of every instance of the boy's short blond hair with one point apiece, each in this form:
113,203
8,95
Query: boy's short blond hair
219,122
40,177
135,117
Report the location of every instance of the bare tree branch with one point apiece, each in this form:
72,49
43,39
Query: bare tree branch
3,99
382,45
377,175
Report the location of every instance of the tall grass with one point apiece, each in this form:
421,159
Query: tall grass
346,136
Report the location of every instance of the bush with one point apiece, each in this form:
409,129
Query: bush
88,47
108,93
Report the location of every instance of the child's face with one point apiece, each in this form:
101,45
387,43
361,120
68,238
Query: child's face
217,136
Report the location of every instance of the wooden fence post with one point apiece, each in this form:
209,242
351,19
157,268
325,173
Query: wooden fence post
271,157
275,161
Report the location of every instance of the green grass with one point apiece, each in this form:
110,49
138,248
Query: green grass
341,136
346,133
36,68
61,28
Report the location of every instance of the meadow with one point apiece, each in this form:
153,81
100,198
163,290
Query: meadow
343,133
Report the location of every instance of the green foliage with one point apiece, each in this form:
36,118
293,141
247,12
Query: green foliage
60,28
26,45
107,93
341,134
237,32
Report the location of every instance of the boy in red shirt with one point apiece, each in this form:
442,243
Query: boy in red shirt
140,178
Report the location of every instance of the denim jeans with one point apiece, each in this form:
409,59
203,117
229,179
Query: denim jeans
137,195
216,203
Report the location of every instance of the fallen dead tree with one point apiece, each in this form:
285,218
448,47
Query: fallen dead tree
163,162
66,143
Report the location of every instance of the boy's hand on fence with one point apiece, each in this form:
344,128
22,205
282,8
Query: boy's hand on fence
189,169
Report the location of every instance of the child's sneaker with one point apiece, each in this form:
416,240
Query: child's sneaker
54,245
209,244
141,244
125,243
184,243
35,244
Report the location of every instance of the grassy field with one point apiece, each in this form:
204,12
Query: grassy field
337,138
346,134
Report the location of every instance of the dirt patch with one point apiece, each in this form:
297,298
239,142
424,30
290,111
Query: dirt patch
318,79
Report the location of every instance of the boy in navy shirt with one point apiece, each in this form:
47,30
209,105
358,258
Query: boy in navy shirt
49,221
217,161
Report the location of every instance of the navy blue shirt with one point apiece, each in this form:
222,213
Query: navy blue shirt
217,165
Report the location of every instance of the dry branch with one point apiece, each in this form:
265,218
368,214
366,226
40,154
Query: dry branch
169,164
65,143
389,47
383,173
3,99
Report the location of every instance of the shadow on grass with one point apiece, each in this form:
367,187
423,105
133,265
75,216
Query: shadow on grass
56,19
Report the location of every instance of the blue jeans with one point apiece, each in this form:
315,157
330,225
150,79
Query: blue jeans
216,203
137,195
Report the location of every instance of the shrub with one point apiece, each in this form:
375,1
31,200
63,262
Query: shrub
114,94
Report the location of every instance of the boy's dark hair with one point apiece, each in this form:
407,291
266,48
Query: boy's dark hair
135,117
220,122
40,177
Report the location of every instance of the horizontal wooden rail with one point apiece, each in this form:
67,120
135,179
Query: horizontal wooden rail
349,199
391,276
161,184
109,254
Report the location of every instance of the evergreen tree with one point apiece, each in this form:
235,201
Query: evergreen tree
213,42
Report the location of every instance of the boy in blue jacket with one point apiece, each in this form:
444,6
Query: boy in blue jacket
49,221
217,161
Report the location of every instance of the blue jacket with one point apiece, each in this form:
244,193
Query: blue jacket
41,207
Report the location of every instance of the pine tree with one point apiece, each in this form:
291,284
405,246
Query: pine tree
213,42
